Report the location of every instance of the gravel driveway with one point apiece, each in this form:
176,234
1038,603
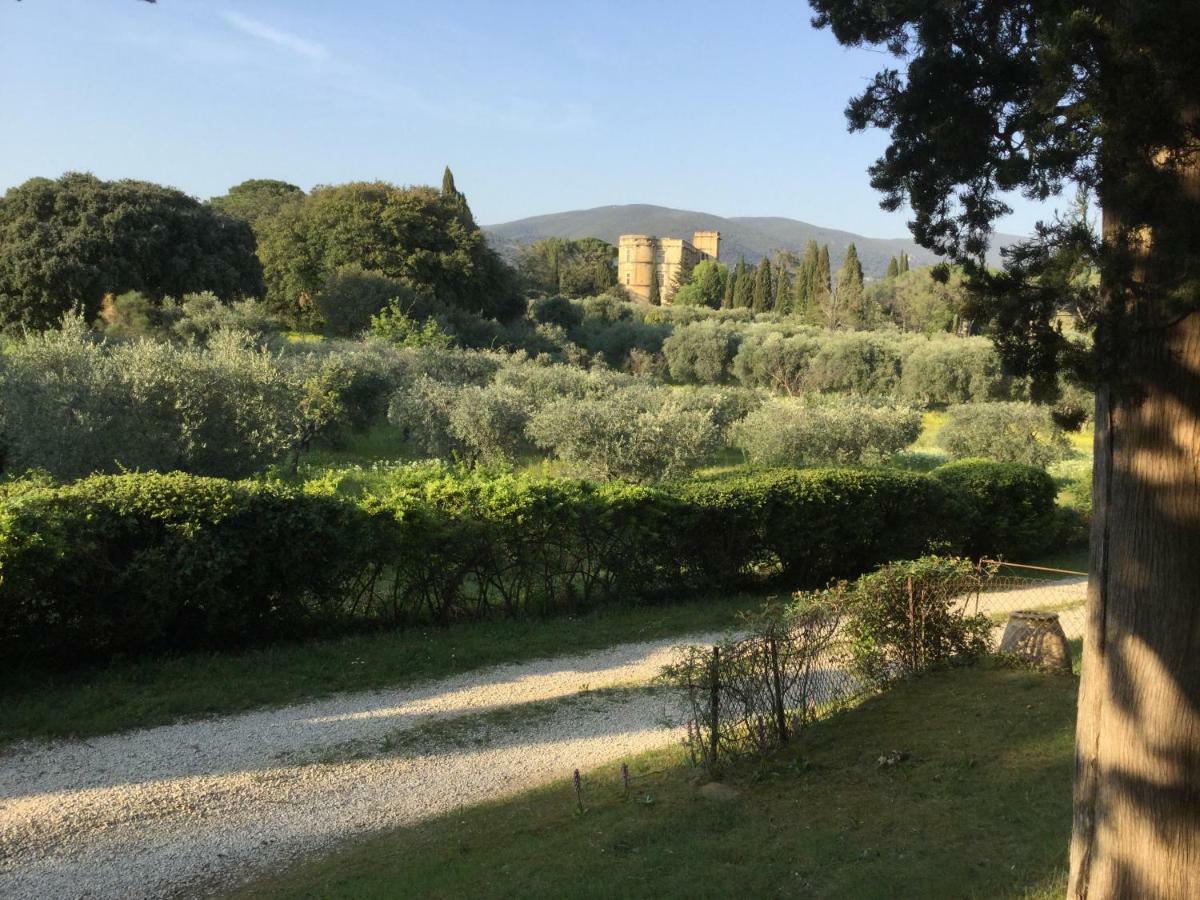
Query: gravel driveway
187,808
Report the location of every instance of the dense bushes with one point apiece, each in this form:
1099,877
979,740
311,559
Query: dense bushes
910,616
1004,507
814,524
1008,432
134,564
845,432
72,406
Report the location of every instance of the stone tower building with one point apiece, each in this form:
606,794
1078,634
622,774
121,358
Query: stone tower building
639,255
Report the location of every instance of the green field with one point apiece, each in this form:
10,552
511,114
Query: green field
976,805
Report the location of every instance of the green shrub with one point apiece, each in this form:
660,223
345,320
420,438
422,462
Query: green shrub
862,363
909,617
635,434
146,563
807,526
1006,432
841,432
1006,509
131,564
700,353
351,295
74,406
951,370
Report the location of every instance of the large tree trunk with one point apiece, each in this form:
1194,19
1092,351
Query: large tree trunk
1137,780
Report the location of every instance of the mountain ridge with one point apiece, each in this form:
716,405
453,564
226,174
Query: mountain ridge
749,236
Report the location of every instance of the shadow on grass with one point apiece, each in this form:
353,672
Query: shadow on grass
978,805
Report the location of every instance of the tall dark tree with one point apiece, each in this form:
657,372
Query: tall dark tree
730,289
743,295
72,240
762,299
893,268
902,264
1030,95
782,292
850,293
655,287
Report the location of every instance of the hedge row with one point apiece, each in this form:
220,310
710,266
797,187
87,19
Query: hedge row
136,564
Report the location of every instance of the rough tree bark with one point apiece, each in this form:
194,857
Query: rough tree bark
1137,781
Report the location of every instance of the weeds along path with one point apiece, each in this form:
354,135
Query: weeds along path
191,807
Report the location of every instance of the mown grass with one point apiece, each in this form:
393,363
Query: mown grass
155,692
977,806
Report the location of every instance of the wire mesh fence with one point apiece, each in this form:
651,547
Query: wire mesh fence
759,690
1006,588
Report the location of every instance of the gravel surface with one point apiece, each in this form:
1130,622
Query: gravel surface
192,807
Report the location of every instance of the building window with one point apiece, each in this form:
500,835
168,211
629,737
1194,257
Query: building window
627,278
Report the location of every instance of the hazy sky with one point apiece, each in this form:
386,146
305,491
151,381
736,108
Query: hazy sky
734,109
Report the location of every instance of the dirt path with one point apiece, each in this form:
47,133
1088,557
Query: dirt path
183,807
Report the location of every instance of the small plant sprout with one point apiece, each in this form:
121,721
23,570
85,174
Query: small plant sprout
577,781
625,778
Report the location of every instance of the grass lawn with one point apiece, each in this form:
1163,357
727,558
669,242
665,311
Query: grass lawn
159,691
979,805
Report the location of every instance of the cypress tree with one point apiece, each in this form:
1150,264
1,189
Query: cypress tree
743,295
655,288
806,279
902,267
730,288
822,290
893,268
850,293
448,187
823,278
762,299
783,291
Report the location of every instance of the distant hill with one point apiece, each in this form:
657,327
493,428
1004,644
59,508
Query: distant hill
751,236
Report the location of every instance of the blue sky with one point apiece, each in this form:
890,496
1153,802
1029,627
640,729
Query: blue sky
734,109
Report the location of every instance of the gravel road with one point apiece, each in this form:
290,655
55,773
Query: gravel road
191,807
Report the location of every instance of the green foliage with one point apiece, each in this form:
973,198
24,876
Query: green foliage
706,285
840,432
73,406
394,325
351,296
419,235
136,564
775,361
586,267
851,306
860,363
1005,508
256,200
1006,432
763,298
71,241
952,370
909,617
701,352
637,435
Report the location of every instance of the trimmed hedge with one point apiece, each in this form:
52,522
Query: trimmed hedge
139,564
135,564
1005,508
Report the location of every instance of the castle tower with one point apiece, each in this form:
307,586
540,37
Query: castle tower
637,257
708,243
